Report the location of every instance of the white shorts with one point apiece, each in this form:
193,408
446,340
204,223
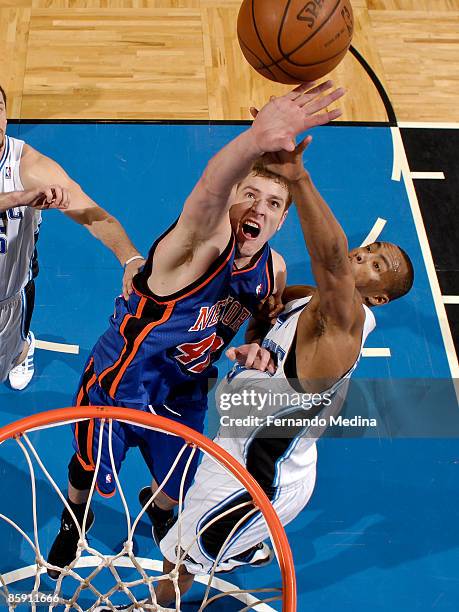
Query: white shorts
211,493
11,332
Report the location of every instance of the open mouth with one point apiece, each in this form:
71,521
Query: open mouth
250,229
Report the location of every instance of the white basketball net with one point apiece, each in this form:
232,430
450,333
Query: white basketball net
124,557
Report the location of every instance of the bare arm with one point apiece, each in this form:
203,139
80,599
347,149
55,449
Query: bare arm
328,248
37,169
204,219
325,240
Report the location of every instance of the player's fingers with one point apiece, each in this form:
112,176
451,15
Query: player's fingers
316,91
264,357
299,90
65,198
231,353
267,303
271,367
288,145
45,200
323,118
334,114
253,111
304,144
324,101
124,288
57,196
274,312
251,355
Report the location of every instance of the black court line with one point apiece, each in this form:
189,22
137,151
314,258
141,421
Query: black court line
377,83
243,122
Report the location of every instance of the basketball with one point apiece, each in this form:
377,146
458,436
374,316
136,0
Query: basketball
291,41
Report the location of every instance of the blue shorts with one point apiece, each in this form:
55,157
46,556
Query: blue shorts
158,449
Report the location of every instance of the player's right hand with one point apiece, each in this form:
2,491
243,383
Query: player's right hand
288,164
252,356
42,198
278,123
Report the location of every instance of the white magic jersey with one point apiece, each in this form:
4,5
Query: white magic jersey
269,397
18,226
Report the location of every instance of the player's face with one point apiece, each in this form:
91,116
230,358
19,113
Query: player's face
376,266
257,213
2,121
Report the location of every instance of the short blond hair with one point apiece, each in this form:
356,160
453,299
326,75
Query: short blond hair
259,169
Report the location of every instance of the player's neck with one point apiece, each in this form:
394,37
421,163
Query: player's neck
243,261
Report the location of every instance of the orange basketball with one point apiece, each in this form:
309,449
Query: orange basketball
291,41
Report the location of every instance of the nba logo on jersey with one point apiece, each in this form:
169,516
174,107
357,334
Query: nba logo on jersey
259,289
8,172
108,478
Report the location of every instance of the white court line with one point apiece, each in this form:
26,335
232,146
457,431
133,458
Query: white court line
427,255
427,175
396,161
376,352
373,235
375,231
155,565
433,125
73,349
451,299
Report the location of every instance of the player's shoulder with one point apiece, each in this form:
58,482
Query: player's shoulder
29,154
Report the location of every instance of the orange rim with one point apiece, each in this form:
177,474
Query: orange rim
284,554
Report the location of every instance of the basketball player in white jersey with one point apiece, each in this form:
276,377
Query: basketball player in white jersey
25,170
313,348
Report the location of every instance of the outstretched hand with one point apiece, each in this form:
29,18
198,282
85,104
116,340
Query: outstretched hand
278,123
288,164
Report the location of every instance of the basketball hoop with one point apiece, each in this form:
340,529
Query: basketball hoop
18,432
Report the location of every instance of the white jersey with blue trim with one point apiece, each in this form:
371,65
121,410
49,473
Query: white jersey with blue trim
18,226
259,397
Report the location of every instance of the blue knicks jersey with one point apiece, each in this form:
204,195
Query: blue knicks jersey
161,350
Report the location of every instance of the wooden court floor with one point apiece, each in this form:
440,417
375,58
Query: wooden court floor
179,59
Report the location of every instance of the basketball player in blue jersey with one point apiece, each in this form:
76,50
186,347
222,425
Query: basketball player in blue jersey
203,278
25,178
315,344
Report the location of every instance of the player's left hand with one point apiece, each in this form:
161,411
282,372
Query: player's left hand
288,164
269,309
252,356
278,123
129,272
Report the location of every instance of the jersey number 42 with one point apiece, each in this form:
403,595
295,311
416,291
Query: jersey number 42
200,351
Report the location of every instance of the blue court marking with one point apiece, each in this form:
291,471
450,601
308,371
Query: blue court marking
378,533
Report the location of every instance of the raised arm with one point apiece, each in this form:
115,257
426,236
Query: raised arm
205,213
328,248
37,169
340,302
